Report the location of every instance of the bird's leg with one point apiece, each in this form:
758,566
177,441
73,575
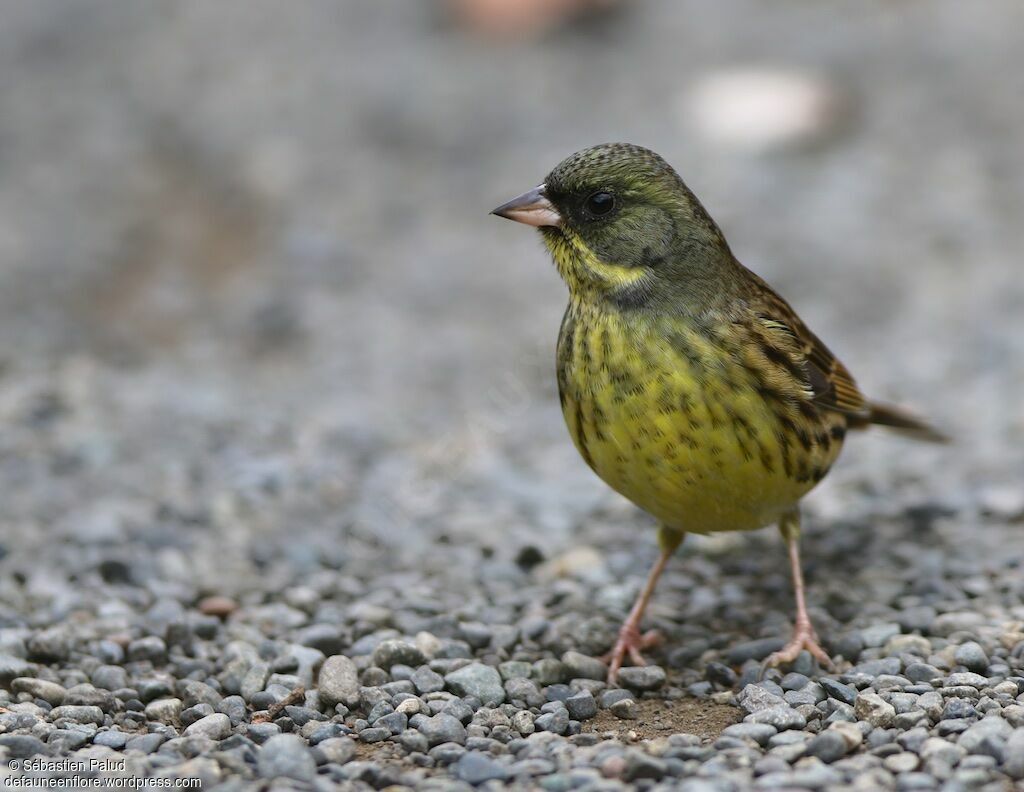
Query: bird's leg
804,636
631,641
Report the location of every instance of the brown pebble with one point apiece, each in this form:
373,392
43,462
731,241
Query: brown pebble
613,767
218,605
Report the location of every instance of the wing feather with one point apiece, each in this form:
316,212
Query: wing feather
828,383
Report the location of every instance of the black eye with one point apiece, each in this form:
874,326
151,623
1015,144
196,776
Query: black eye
600,203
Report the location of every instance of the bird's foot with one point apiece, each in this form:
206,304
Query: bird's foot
804,637
631,642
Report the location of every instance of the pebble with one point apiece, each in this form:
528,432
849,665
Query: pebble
642,678
580,666
77,714
150,648
625,709
480,681
338,682
216,727
987,736
903,762
828,746
23,746
164,710
837,690
50,692
425,680
872,708
753,650
1014,764
111,739
754,698
967,679
879,634
442,728
393,652
581,706
782,718
476,768
850,732
286,756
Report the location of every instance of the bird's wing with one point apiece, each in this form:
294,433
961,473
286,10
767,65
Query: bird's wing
820,378
827,382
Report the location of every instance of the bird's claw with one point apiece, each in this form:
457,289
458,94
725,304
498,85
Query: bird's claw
804,637
631,642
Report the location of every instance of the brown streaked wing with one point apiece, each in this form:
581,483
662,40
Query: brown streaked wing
831,384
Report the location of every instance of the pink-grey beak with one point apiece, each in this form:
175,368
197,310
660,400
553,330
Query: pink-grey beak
532,208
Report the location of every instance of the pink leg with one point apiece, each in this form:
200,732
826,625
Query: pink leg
631,641
804,636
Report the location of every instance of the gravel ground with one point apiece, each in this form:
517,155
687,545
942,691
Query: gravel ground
286,494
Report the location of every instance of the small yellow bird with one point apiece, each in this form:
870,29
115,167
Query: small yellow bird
687,384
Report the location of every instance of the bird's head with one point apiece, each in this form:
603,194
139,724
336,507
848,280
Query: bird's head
621,225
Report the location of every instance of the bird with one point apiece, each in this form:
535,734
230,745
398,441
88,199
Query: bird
686,382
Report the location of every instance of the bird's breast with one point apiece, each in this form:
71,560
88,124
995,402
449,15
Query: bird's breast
666,413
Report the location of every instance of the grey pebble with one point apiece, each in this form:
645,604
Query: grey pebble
987,736
525,690
146,743
758,732
52,645
478,680
151,648
110,677
874,709
111,739
828,746
215,727
782,718
77,714
556,722
549,671
581,666
626,709
581,706
476,768
642,678
50,692
287,756
754,698
967,679
338,750
442,728
879,634
644,766
837,690
338,682
720,674
393,652
164,710
13,667
753,650
1014,764
22,746
426,680
374,734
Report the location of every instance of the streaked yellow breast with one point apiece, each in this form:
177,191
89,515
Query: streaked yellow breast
668,415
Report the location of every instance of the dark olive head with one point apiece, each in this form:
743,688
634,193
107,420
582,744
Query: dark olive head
616,216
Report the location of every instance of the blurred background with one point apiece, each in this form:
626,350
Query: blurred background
254,308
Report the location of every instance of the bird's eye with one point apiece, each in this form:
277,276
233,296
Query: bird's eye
600,203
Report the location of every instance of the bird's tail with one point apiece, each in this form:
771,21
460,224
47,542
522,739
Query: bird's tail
903,422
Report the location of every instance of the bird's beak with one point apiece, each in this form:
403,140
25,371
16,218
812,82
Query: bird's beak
532,208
